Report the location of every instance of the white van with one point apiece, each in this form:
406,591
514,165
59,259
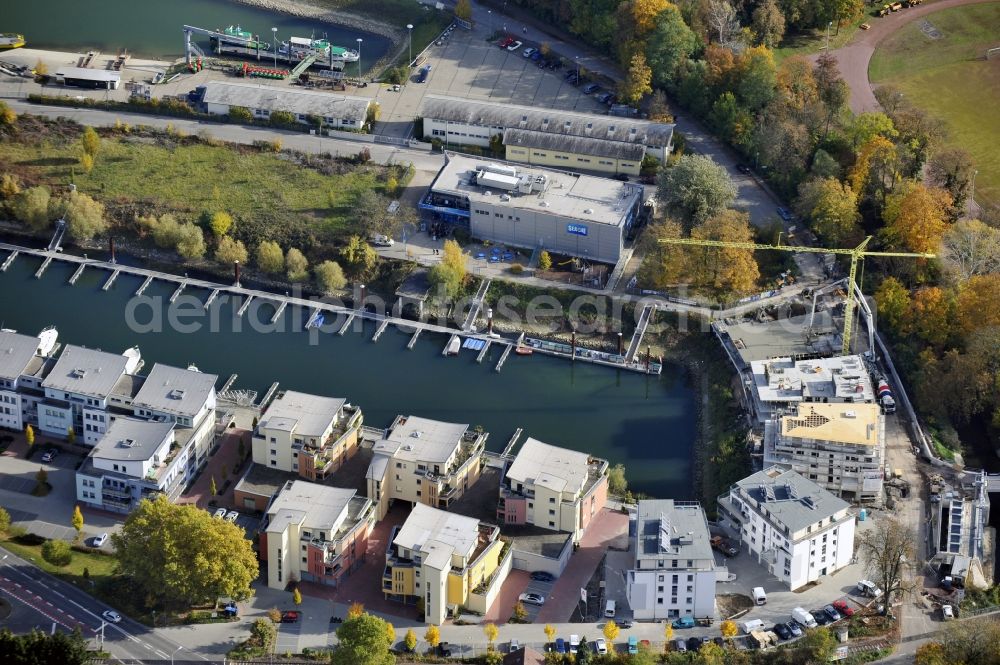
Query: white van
803,618
759,597
609,609
752,625
574,643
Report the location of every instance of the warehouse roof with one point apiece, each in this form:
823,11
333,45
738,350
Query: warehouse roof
86,372
174,390
512,116
308,415
306,102
579,145
16,352
538,190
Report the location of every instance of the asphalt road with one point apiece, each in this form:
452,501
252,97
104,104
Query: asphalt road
49,601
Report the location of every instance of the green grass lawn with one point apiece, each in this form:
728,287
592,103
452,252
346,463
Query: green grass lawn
189,178
100,566
949,78
815,41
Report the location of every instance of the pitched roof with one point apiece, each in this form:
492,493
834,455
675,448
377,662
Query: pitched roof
579,145
307,102
16,352
86,372
791,500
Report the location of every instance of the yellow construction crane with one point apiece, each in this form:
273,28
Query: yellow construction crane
857,254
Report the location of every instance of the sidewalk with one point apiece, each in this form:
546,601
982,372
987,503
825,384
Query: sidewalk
225,457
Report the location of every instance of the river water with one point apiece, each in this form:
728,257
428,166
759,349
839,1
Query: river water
152,28
647,423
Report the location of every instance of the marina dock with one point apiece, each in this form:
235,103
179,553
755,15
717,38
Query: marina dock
279,311
477,305
211,298
484,351
76,275
503,357
41,270
640,330
381,329
413,340
111,279
145,285
177,293
245,307
347,323
8,261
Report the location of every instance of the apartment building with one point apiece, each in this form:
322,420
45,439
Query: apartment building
310,435
674,572
553,488
790,525
781,383
314,533
444,561
423,461
81,388
22,368
185,397
134,460
839,446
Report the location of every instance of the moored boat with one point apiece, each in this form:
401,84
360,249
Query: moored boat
523,350
11,40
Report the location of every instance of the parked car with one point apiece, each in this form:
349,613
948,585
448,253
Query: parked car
506,41
832,612
528,51
820,617
111,616
444,650
683,622
514,46
591,88
743,168
100,540
869,589
694,643
781,630
633,644
601,646
542,576
536,56
232,516
794,629
803,618
724,545
532,598
289,616
220,513
514,646
680,645
625,623
785,214
560,645
574,643
50,455
844,608
947,613
621,176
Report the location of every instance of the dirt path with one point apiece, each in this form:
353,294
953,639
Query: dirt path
855,56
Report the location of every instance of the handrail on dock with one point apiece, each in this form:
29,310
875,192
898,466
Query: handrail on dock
211,298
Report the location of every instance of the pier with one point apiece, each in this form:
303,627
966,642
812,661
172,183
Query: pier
211,298
503,358
513,442
229,383
111,280
381,329
269,395
246,305
177,293
76,275
279,311
413,340
477,305
482,354
640,330
145,285
9,260
41,270
347,323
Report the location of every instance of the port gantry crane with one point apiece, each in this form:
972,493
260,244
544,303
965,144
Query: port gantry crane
857,254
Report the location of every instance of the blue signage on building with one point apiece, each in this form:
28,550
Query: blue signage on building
576,229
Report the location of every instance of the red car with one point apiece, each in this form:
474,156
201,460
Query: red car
289,616
842,607
507,41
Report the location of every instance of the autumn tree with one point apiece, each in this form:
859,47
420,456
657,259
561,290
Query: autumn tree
447,275
7,115
832,210
90,142
696,187
373,214
970,248
355,610
931,315
230,251
668,632
359,257
550,632
729,629
768,23
611,631
722,18
866,126
432,636
520,612
756,78
363,640
637,81
831,88
490,631
952,169
978,303
84,216
410,640
893,300
725,268
170,552
330,276
544,261
77,520
296,596
220,223
888,552
31,206
916,217
213,489
297,265
875,170
4,522
29,435
669,44
818,644
270,258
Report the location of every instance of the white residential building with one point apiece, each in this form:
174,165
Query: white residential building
553,488
674,573
840,447
135,459
790,525
21,371
185,397
781,383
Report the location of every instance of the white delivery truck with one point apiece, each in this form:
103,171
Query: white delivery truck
803,618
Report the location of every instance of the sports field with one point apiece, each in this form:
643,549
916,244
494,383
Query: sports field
938,62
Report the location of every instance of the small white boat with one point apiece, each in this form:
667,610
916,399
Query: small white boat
454,346
47,340
134,360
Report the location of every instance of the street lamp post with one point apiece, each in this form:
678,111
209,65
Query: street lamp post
409,27
274,45
489,12
174,654
359,40
828,25
577,58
